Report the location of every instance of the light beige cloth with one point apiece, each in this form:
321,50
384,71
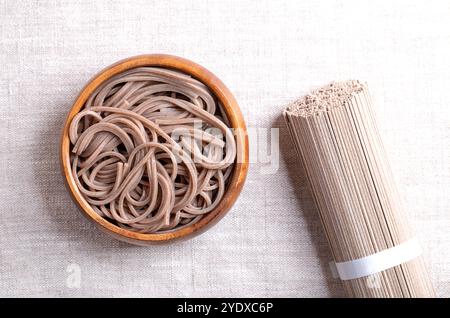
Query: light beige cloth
268,53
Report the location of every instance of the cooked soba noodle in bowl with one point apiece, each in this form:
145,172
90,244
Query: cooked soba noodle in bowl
152,150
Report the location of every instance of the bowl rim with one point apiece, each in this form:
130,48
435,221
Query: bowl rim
236,120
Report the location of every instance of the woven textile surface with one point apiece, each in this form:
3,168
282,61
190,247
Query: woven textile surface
268,53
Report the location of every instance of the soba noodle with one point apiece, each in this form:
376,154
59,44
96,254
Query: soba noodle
152,150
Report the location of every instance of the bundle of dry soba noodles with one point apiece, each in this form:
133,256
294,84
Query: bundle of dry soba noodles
152,150
336,138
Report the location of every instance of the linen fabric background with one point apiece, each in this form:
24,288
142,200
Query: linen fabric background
268,53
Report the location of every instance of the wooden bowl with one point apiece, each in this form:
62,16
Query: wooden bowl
235,118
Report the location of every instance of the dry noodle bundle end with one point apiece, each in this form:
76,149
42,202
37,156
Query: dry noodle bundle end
152,150
336,138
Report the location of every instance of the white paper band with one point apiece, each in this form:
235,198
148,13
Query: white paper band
377,262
